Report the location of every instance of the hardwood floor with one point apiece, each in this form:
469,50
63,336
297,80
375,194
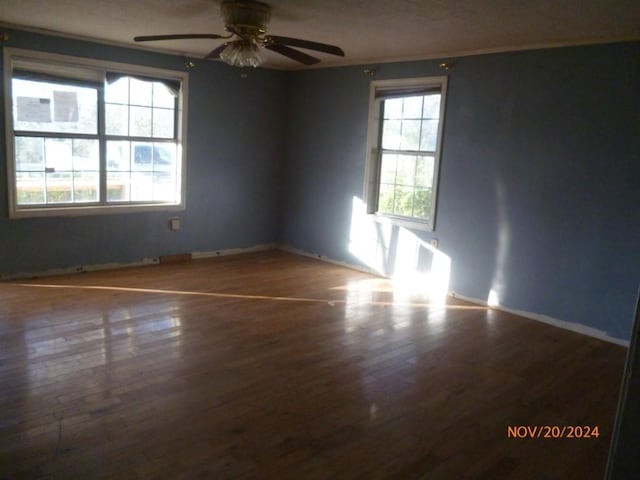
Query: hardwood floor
271,365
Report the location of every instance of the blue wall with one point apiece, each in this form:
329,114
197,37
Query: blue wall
234,145
540,177
539,181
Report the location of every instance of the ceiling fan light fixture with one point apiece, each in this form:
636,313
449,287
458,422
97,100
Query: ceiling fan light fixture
241,53
246,22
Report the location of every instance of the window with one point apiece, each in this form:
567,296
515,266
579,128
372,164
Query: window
405,132
85,136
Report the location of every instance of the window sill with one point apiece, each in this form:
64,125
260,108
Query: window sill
405,222
93,210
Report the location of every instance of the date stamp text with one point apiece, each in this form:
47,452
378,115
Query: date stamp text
552,431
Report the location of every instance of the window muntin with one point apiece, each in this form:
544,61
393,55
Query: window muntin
139,108
406,185
87,136
404,136
138,171
52,170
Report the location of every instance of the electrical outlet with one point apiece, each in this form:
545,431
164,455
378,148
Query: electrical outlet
434,242
174,224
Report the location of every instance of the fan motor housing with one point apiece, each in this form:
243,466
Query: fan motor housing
246,18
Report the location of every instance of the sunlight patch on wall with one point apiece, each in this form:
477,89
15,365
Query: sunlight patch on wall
415,266
368,240
503,237
493,300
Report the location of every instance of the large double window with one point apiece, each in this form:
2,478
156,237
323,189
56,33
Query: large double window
405,131
92,137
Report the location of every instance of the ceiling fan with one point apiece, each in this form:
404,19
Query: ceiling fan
246,22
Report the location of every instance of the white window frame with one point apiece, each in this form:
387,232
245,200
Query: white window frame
73,67
374,157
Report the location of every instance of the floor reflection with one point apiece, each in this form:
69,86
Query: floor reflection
78,360
408,303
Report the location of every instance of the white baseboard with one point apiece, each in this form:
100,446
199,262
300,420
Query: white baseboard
572,326
146,261
296,251
79,269
234,251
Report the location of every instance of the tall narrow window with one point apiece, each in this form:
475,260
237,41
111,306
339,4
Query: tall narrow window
405,140
92,137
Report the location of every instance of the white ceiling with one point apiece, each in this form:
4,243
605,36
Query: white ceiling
369,31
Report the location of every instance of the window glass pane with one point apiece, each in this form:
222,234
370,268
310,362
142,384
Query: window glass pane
412,107
58,154
431,107
422,202
117,119
40,106
393,108
388,168
29,154
140,122
424,171
164,157
406,170
403,204
385,198
118,91
410,135
141,92
142,155
429,135
118,157
164,188
118,186
141,186
163,123
59,187
30,188
391,134
86,155
162,97
86,186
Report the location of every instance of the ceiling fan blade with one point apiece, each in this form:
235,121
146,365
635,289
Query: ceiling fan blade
215,53
308,44
292,54
178,36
